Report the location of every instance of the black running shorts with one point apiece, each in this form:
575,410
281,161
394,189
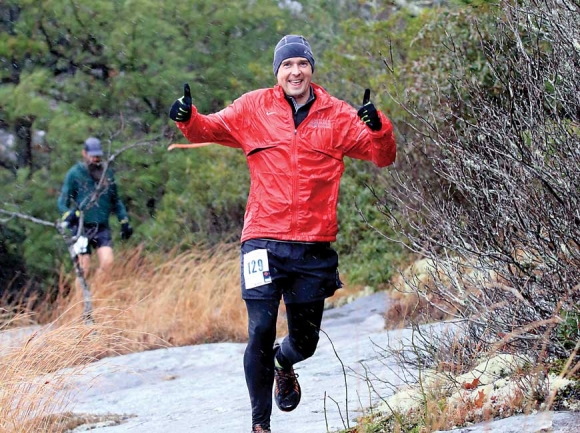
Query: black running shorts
300,272
98,235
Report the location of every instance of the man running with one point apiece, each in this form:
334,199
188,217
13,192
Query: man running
295,136
84,191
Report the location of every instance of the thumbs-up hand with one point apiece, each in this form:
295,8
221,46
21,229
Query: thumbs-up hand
181,109
368,113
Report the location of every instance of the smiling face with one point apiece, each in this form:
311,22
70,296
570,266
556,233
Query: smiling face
295,75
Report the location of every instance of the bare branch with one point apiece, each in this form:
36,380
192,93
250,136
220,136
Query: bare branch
28,218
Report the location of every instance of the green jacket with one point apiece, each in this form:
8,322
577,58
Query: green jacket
76,194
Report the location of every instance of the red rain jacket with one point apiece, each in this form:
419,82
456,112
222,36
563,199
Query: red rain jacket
295,172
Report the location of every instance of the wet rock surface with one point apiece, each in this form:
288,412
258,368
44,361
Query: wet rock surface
202,388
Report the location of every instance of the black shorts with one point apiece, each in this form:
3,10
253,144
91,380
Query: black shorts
300,272
99,235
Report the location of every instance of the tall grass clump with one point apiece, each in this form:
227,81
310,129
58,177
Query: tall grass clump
158,300
38,369
144,302
172,299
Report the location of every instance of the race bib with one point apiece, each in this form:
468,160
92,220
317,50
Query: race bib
81,245
256,269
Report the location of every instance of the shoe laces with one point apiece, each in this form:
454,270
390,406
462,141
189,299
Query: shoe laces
286,380
258,429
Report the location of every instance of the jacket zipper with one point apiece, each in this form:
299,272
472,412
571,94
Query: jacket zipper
295,198
295,201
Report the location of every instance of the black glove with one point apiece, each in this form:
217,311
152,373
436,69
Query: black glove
126,230
181,108
368,113
70,218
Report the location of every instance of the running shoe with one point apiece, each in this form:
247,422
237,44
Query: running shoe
287,391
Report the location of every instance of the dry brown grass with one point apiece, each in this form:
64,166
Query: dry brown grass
67,421
145,302
170,300
175,299
37,370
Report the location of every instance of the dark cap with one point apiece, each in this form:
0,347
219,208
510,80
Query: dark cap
93,147
292,46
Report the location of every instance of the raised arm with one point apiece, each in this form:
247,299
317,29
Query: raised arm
371,136
199,128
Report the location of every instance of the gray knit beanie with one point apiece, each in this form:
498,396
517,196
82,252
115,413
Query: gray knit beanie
292,46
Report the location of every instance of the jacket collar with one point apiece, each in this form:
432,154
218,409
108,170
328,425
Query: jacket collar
297,106
321,96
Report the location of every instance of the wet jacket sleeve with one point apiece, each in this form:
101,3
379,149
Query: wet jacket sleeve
376,146
68,194
218,127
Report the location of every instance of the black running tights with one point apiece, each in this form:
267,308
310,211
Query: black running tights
300,343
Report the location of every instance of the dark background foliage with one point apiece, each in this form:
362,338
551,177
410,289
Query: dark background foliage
69,70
